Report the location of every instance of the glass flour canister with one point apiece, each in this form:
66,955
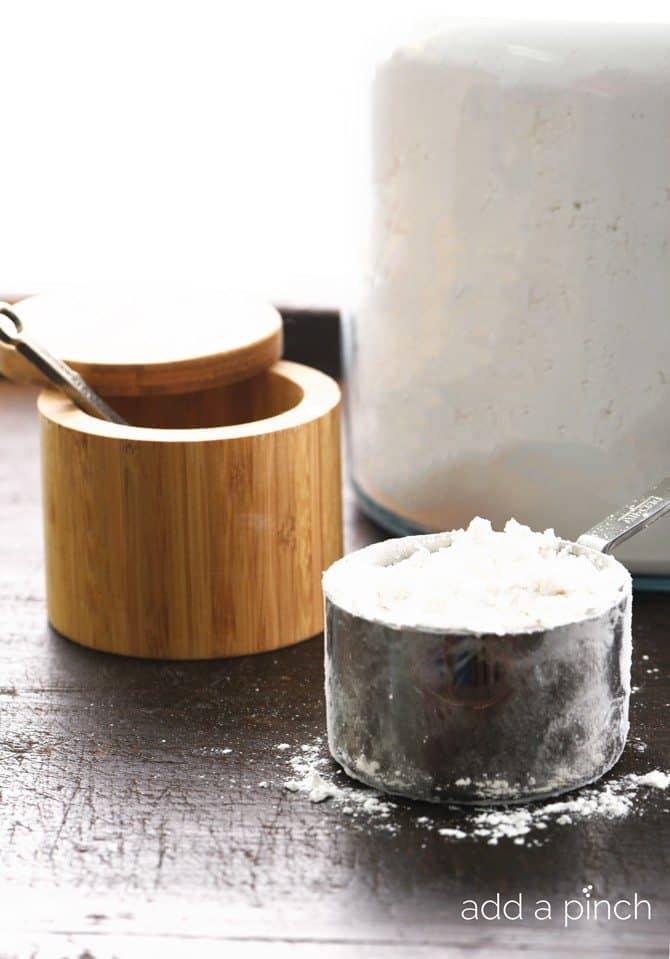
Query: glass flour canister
509,352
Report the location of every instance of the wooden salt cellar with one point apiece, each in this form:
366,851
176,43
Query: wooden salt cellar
201,530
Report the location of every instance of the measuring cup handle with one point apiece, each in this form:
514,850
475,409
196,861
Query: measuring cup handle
629,520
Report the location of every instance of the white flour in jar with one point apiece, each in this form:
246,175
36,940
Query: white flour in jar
484,581
508,353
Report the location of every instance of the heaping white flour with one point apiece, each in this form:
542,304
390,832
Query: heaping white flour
484,581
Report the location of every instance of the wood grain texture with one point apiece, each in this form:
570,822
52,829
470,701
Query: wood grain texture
127,830
148,344
190,543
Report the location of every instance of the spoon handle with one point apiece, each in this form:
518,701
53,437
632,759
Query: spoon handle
629,520
56,371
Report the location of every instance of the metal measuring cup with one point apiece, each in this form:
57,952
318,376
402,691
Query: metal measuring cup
460,717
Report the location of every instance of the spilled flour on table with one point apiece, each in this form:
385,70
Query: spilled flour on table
313,777
313,781
655,778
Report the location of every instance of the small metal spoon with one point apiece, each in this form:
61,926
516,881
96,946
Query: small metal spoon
56,371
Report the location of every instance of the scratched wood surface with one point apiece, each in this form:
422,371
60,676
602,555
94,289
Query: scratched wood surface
132,821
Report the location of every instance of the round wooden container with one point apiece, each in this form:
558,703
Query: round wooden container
201,530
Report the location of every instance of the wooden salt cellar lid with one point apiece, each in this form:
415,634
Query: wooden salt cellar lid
149,343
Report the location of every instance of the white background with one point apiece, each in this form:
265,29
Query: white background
199,143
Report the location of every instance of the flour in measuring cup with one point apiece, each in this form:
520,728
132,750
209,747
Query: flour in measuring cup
483,581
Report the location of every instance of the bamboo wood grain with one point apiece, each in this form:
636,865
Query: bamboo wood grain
185,543
149,348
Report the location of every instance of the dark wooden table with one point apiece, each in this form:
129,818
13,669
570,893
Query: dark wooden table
126,830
